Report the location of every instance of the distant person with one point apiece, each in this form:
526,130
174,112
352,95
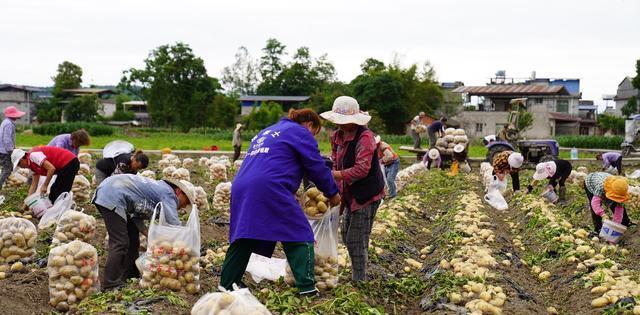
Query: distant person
237,141
125,163
8,141
460,155
415,122
391,162
433,159
610,159
557,172
71,141
487,140
435,130
508,163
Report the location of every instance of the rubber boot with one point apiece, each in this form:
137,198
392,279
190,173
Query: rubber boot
562,199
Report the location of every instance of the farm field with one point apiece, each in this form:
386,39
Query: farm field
435,249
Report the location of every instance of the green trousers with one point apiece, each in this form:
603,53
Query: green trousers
300,256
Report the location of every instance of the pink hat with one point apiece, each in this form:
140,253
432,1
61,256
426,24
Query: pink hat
13,112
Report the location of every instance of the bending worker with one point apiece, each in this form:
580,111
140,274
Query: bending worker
557,172
611,190
508,163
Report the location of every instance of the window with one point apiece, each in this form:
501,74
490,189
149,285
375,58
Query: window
537,100
562,106
479,127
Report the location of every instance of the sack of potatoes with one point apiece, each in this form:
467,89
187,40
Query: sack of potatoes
188,163
16,180
168,171
85,170
201,198
315,203
239,301
19,237
218,172
181,174
81,189
222,197
84,158
203,161
325,270
73,274
74,225
171,265
148,174
237,164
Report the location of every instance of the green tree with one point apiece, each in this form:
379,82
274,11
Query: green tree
631,107
263,116
223,111
525,120
611,123
271,65
83,108
68,76
636,80
240,78
120,100
176,86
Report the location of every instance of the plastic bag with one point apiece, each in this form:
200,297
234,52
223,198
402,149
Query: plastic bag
634,175
41,182
81,189
325,233
217,172
496,200
238,301
74,225
466,168
612,170
172,259
18,240
222,197
62,204
497,184
261,268
73,274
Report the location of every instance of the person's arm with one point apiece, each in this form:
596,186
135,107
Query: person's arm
313,165
596,205
618,213
50,171
365,149
387,156
605,161
171,211
516,181
34,184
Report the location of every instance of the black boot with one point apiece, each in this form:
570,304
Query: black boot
562,200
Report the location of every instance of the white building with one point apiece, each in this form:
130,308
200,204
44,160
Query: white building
624,93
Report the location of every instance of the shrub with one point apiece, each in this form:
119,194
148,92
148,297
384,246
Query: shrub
591,142
58,128
123,116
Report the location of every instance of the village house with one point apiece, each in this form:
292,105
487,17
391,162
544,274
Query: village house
105,96
624,93
24,98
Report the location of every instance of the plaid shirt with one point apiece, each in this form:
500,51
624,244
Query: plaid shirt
595,183
501,163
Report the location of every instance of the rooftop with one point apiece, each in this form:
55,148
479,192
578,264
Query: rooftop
135,103
513,89
90,91
275,98
4,87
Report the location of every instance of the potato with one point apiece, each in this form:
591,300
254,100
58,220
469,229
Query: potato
68,282
599,302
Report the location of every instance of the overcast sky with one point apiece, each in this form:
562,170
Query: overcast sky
596,41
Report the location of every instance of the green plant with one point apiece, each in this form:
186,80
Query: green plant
58,128
612,123
592,142
121,115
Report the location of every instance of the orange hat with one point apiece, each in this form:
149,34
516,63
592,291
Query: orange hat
616,188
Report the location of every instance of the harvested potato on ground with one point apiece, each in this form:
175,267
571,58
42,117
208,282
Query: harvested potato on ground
18,240
74,225
171,265
16,180
73,274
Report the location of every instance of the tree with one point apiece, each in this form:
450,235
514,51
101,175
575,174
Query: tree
525,120
271,65
610,122
241,78
69,76
223,111
631,107
636,80
83,108
263,116
176,86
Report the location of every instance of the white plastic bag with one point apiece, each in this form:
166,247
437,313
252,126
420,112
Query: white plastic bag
74,225
495,199
634,175
62,204
81,189
172,260
466,168
497,184
261,268
612,170
116,147
222,197
18,239
238,301
73,274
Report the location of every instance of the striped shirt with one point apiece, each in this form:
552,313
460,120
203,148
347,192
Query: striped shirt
595,183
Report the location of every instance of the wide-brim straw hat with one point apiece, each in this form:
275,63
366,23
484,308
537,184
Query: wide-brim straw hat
458,148
434,154
16,156
346,110
616,188
185,186
13,112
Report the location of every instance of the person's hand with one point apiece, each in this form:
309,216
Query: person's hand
25,207
337,175
335,200
43,190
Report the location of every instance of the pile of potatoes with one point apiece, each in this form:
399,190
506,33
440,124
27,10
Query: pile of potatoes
181,174
325,270
316,204
171,265
406,174
85,170
188,163
148,174
81,189
217,172
237,164
201,198
240,301
84,158
168,171
74,225
73,274
203,161
16,180
214,257
19,237
222,197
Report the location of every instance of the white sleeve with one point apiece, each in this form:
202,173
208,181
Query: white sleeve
37,157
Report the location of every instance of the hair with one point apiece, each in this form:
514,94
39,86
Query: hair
80,137
304,115
443,119
142,158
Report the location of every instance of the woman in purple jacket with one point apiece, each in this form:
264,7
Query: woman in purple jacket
71,141
264,209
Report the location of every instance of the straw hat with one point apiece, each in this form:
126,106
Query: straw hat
238,126
346,110
185,186
13,112
544,170
458,148
616,188
515,160
434,154
16,156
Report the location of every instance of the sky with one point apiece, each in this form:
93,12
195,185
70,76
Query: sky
597,41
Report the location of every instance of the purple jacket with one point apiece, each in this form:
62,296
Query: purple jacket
610,158
7,136
263,202
64,141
